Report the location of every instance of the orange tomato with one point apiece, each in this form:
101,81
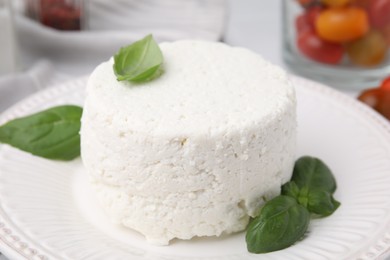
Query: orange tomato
335,3
369,50
342,24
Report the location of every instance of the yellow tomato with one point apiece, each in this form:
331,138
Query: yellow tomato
369,50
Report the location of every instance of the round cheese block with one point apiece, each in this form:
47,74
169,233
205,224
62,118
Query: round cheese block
195,152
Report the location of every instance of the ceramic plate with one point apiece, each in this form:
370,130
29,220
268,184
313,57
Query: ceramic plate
48,212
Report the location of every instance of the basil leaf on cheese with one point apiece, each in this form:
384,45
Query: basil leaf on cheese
139,62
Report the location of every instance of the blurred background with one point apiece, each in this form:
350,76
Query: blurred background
342,43
57,40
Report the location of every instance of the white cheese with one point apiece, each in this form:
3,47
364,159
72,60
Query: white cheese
194,152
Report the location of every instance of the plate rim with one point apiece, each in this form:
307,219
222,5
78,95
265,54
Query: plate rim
13,242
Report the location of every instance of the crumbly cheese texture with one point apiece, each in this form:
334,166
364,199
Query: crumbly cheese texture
194,152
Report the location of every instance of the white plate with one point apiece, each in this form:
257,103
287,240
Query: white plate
46,211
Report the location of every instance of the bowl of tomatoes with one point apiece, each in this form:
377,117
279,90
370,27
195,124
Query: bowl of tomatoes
344,43
67,15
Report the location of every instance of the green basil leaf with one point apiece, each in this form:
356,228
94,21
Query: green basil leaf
303,196
321,203
313,174
139,62
282,222
316,201
290,189
52,134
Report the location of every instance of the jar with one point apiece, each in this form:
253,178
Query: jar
58,14
343,43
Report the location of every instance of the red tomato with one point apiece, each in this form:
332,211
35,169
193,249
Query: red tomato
305,3
370,97
319,50
60,14
378,99
313,13
386,84
379,13
386,33
301,23
51,3
384,104
361,3
307,19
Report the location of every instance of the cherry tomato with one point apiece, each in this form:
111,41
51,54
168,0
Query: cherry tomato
378,99
301,23
319,50
386,33
306,3
370,97
379,13
361,3
386,84
60,14
342,24
335,3
369,50
51,3
384,104
313,13
306,20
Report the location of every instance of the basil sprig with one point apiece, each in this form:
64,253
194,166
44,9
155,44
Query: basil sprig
285,219
139,62
313,185
52,133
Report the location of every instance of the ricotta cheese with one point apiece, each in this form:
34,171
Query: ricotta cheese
195,152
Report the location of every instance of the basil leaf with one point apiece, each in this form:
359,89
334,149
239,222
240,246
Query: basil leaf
139,62
290,189
52,134
282,222
313,174
312,186
321,203
316,201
